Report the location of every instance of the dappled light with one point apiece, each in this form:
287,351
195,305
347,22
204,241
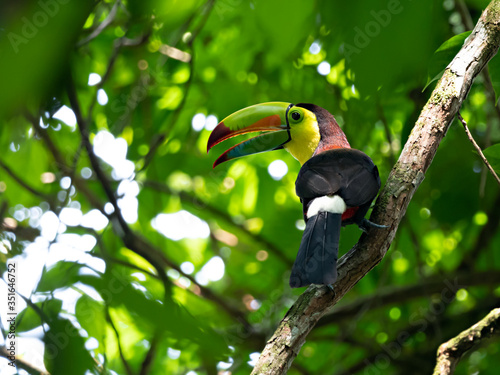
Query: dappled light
124,251
213,270
277,169
179,225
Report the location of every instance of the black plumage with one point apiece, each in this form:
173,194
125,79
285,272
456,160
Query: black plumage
316,261
348,173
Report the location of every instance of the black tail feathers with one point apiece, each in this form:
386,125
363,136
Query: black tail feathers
316,261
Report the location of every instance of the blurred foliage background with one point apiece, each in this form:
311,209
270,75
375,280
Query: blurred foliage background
135,257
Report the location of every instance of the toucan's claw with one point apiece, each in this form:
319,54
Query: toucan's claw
365,224
330,286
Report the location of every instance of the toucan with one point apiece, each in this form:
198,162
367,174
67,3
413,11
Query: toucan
336,183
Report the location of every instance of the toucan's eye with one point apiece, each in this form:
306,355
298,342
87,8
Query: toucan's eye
296,116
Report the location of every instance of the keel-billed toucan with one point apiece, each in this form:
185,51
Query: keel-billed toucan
336,183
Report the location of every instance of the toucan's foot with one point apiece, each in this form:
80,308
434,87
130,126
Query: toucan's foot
330,286
365,224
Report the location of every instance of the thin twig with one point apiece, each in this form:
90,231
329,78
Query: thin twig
469,135
124,263
22,364
101,176
128,369
60,162
487,136
25,185
150,355
71,176
463,10
99,29
42,133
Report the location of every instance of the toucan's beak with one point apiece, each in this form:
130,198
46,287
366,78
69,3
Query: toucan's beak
266,117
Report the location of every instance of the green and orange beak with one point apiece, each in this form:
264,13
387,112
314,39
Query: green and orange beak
268,118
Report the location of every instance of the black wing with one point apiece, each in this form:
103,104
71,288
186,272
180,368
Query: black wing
347,172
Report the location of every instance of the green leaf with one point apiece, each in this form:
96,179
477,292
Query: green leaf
29,319
91,316
492,153
62,274
443,56
65,351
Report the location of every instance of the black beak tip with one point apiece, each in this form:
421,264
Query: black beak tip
221,159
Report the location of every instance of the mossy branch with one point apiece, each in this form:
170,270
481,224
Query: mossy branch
451,351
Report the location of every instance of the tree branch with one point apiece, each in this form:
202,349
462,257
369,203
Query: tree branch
25,185
150,355
59,160
21,363
99,29
129,238
451,351
399,294
403,181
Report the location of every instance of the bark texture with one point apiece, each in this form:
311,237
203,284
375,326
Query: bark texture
451,351
403,181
